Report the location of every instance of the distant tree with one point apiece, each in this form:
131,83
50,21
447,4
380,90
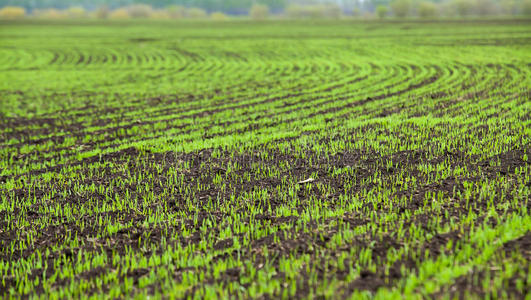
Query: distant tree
332,11
485,7
401,8
120,13
314,11
371,5
139,10
526,7
259,12
381,11
76,12
427,9
12,12
176,11
463,7
50,13
508,7
102,12
218,16
159,14
196,13
294,11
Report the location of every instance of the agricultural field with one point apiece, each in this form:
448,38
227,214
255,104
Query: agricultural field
276,159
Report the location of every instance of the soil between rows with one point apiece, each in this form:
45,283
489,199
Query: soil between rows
204,166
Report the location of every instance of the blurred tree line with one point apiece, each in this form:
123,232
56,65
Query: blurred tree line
228,6
259,9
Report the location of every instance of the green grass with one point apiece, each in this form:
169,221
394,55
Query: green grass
250,159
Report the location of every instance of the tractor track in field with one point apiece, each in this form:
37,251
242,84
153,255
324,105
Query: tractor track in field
79,133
